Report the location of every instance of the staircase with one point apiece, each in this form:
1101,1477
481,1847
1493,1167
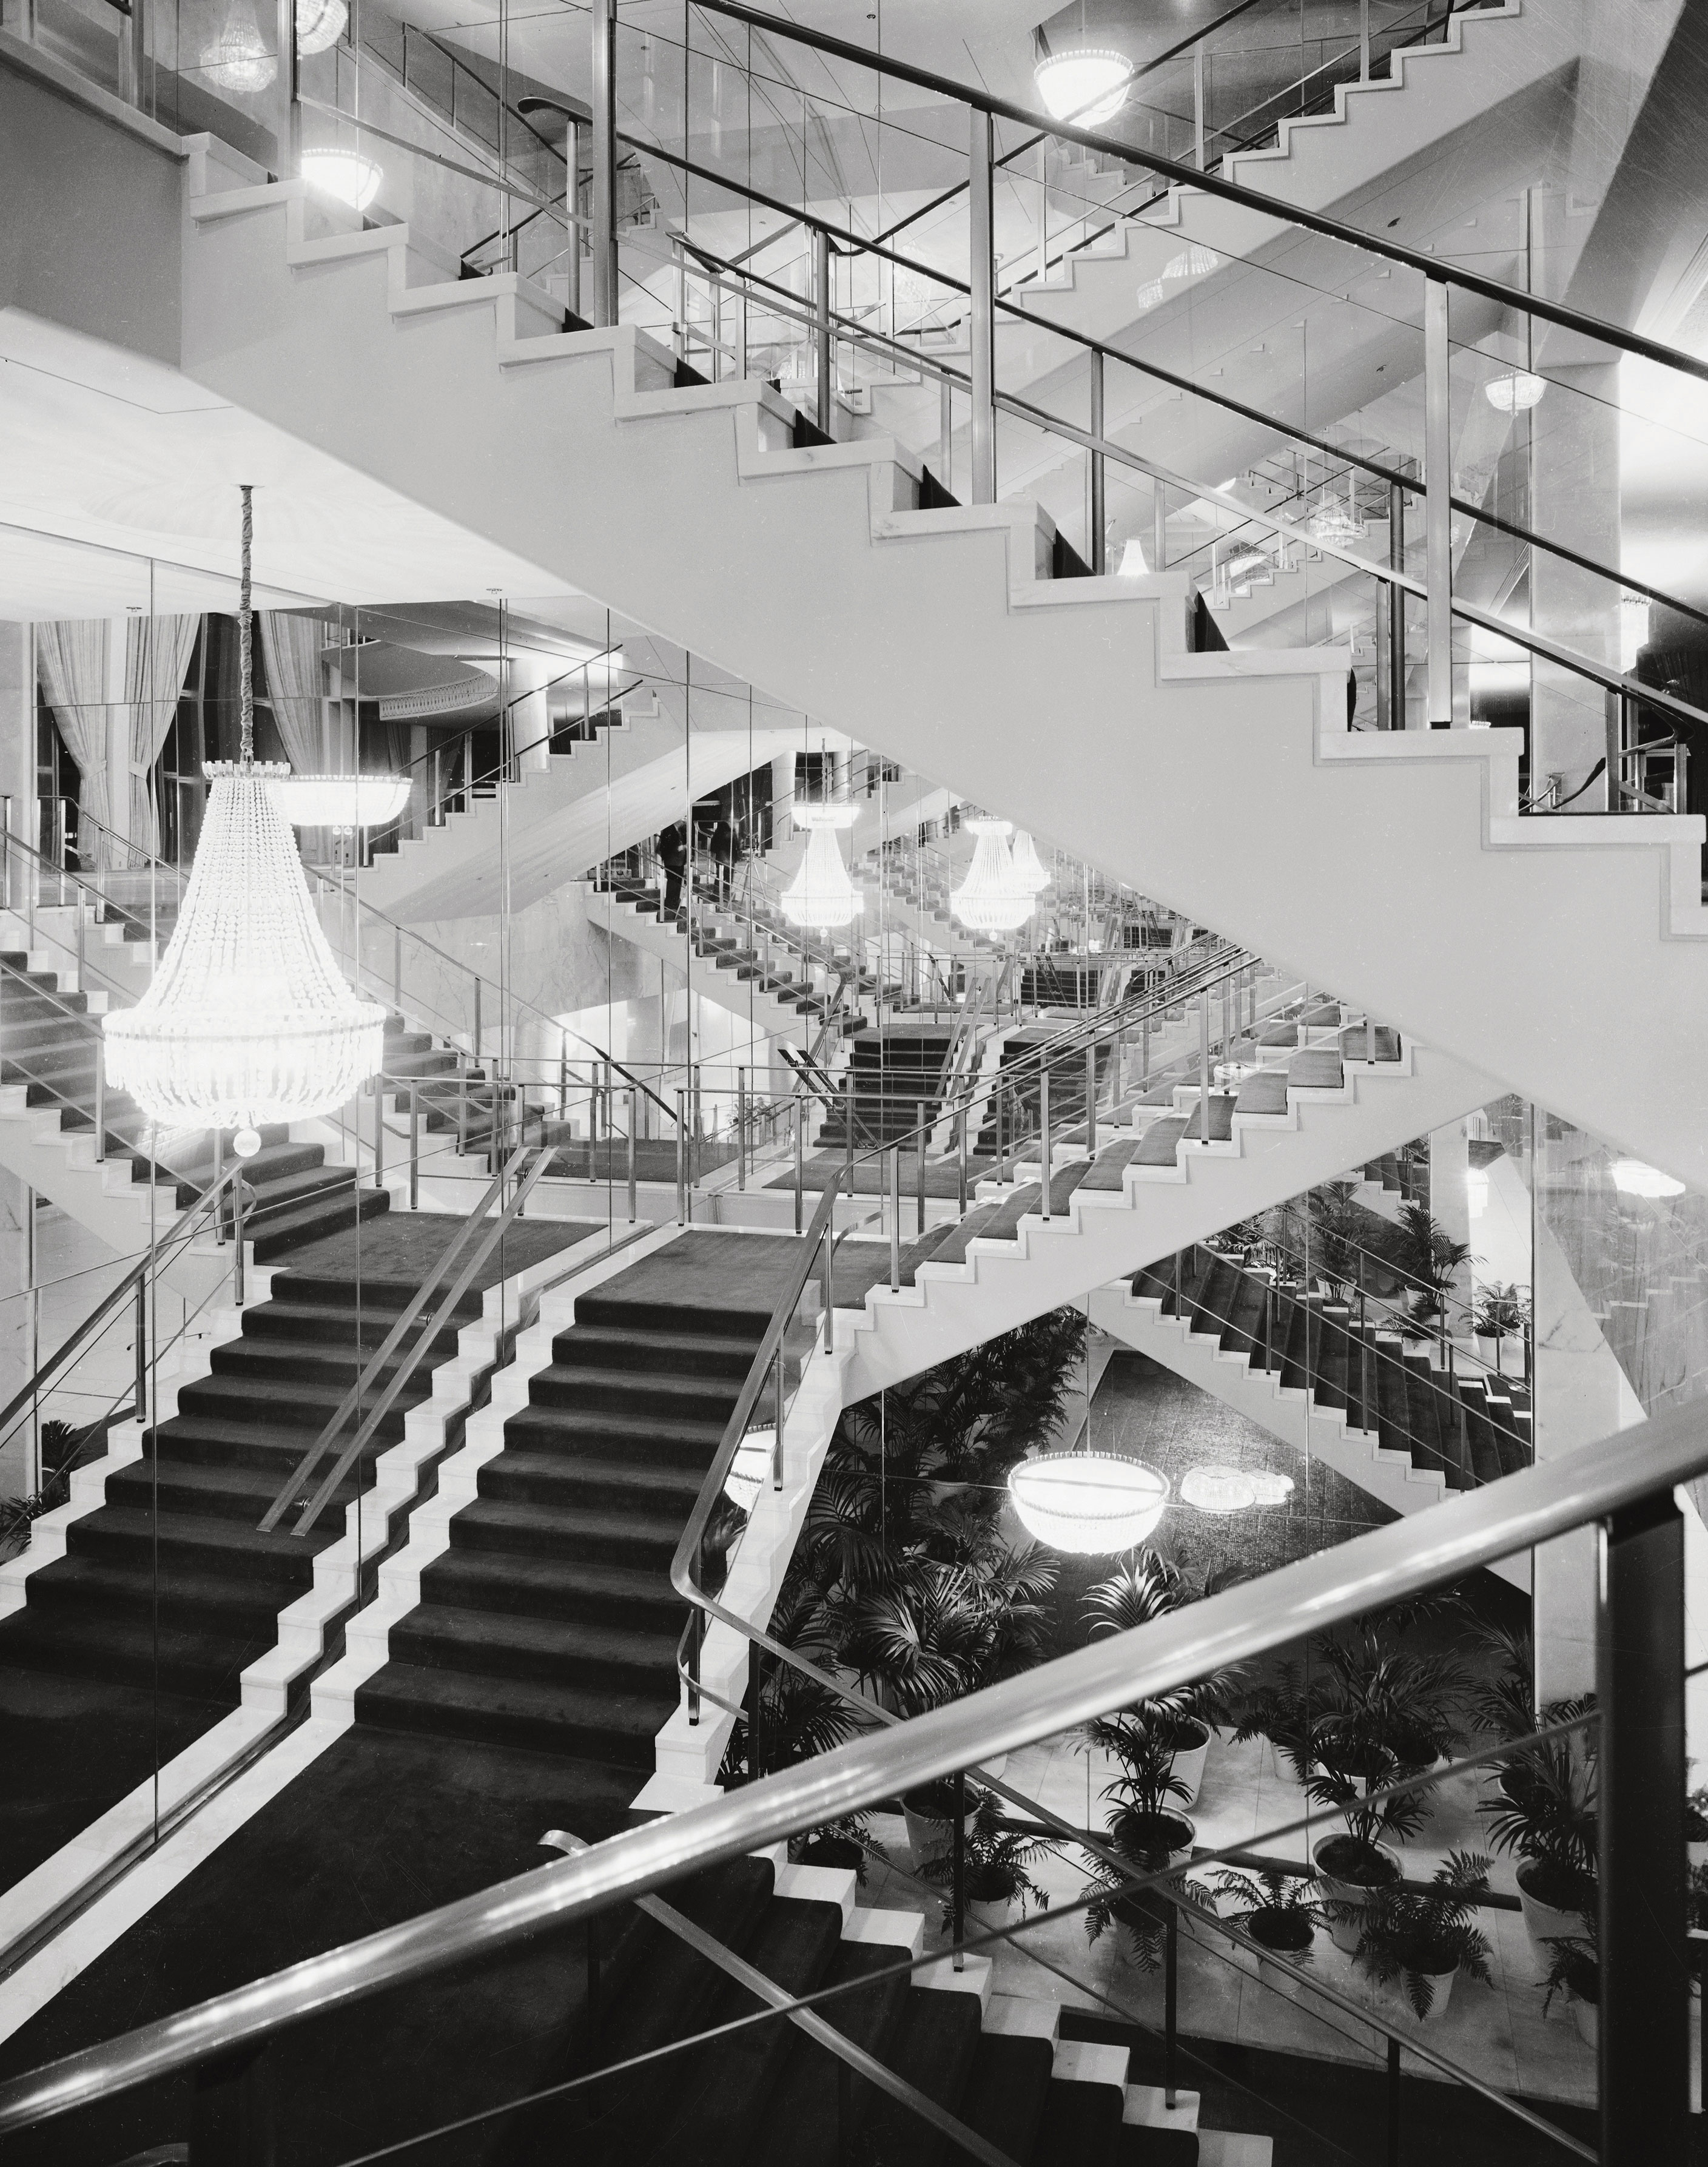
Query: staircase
1379,1408
1414,835
891,1072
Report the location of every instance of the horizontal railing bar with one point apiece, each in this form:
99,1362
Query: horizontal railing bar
1328,1588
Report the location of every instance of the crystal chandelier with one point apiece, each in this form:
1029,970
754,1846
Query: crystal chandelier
1087,86
821,894
248,1020
1026,865
1191,262
1090,1502
342,802
240,60
1217,1490
1514,390
319,24
990,899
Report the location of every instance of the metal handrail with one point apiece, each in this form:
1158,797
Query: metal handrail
1251,1619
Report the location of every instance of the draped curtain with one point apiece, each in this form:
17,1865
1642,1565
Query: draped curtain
290,648
157,653
71,659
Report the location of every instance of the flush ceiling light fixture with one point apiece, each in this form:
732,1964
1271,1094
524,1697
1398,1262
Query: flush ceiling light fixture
248,1020
1087,86
1026,865
1217,1490
346,174
821,894
319,24
1514,390
1093,1503
342,802
1631,1178
990,899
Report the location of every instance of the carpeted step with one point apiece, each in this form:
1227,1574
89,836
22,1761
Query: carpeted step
668,1397
267,1441
635,1597
272,1164
1107,1170
1008,2092
616,1497
221,1490
1370,1042
803,2118
330,1324
577,1721
689,1441
936,2049
269,1365
130,1537
1081,2124
548,1650
1264,1092
330,1212
70,1641
231,1400
1316,1071
229,1607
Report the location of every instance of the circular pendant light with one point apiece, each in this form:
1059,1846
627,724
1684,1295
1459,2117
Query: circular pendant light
1514,390
248,1020
821,894
1267,1487
1090,1503
990,899
342,801
1217,1490
1026,865
346,174
1087,86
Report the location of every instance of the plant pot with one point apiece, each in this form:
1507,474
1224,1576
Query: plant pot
1488,1347
1190,1753
988,1917
1399,1995
930,1828
1165,1839
1587,2016
1546,1922
832,1851
1290,1942
1344,1933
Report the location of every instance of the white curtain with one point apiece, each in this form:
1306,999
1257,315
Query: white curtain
71,659
157,653
290,647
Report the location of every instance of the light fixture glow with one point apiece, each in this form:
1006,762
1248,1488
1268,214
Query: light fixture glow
1514,390
342,801
1333,521
248,1020
1631,1178
1267,1487
1217,1490
1150,293
319,24
1191,262
346,174
1088,87
1090,1503
821,894
990,899
1026,865
750,1468
241,60
1476,1191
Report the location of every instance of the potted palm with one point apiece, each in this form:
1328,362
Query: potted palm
1280,1713
1501,1313
1543,1809
1146,1586
1574,1969
839,1843
1146,1830
1281,1913
997,1871
929,1811
1359,1861
1414,1942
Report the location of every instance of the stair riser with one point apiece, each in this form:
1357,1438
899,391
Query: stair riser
577,1740
642,1552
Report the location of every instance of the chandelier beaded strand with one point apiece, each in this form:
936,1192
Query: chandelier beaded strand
248,1020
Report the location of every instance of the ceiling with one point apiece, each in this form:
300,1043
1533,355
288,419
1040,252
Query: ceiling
118,491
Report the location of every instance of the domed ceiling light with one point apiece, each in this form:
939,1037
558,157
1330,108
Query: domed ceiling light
248,1020
990,899
342,802
1093,1503
1631,1178
1217,1490
1087,86
319,24
1514,390
821,894
346,174
1026,865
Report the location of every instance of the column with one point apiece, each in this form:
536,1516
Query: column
118,719
1575,500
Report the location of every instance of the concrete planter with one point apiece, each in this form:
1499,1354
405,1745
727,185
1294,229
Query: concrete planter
1545,1922
1345,1932
1189,1758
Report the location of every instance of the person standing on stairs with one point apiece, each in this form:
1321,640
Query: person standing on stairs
673,856
724,846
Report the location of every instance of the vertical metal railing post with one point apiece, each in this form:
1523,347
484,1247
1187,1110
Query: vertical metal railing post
981,273
1644,2047
800,1108
957,1868
1204,1069
1170,2012
781,1381
602,97
825,1277
634,1164
740,1127
960,1161
893,1171
415,1147
287,122
921,1113
1197,104
100,1102
848,1127
681,1156
1363,40
821,322
237,1236
1002,1148
141,1336
1044,1133
379,1132
1096,511
1393,2113
397,969
1438,479
218,1171
1092,1100
571,204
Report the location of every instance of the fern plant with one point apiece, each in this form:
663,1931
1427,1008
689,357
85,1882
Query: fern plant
1278,1910
1419,1935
